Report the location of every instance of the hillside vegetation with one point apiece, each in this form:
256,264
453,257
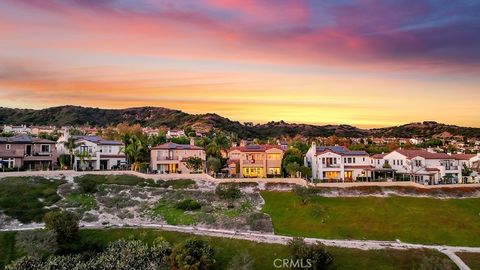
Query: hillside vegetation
157,116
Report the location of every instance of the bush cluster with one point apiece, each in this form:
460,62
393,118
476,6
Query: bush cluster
188,205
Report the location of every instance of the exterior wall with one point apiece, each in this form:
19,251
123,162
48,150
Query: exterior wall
422,173
36,159
162,160
336,166
258,164
99,154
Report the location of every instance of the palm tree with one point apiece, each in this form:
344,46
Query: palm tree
70,145
134,150
82,155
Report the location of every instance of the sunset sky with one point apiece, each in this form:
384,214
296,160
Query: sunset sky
364,63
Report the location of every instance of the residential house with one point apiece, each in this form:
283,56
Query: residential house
337,163
255,161
172,157
102,154
22,129
424,166
23,151
173,133
37,130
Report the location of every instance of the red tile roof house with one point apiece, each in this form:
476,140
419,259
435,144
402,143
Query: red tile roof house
23,151
423,166
171,157
337,163
255,161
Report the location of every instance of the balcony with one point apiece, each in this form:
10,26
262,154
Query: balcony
331,165
451,168
252,162
168,158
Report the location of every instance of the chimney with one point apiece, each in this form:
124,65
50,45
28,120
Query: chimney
192,141
314,145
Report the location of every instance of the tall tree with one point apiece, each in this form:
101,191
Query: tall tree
70,145
134,151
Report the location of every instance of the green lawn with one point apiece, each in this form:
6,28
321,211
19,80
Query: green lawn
410,219
263,254
470,259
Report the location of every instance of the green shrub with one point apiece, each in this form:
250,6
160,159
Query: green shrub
87,185
37,243
228,193
193,254
65,225
316,254
188,205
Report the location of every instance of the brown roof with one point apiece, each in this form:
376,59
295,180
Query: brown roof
424,154
256,148
432,170
378,156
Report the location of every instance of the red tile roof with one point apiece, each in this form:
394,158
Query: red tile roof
424,154
378,156
463,156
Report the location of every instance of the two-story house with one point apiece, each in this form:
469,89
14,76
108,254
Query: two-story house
337,163
102,154
423,166
255,161
171,157
23,151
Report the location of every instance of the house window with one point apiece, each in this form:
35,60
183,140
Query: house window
45,148
273,156
418,163
8,146
274,171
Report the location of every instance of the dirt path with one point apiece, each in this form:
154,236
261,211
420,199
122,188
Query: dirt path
279,239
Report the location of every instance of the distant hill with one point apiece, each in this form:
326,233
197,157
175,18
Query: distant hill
157,116
425,129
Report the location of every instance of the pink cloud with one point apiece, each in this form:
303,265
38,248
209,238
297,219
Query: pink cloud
264,10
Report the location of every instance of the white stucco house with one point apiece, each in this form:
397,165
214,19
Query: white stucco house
103,154
423,166
337,163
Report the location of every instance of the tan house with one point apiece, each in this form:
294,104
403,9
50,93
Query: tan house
23,151
171,157
255,161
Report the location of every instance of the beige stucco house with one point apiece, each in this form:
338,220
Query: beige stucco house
255,161
171,157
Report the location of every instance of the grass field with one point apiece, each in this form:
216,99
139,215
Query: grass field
24,198
471,259
263,254
410,219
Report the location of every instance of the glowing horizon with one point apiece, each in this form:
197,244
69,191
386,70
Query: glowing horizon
367,64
